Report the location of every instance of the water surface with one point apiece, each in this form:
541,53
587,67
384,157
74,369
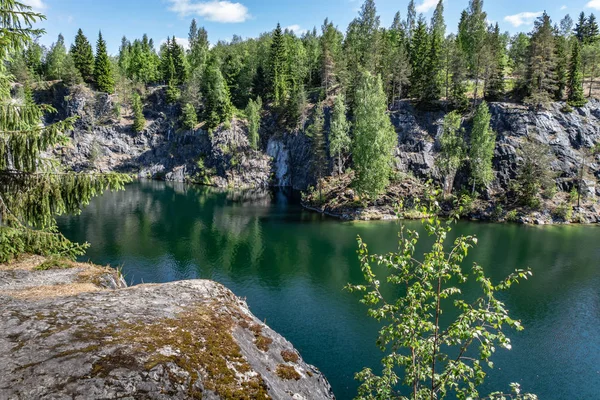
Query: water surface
292,265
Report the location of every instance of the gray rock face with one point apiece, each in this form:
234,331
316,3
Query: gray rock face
191,339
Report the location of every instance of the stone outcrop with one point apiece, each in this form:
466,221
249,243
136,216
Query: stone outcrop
100,340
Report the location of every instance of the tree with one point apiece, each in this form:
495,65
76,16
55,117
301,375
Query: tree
253,115
418,59
331,55
472,35
374,137
103,74
562,65
534,176
339,138
581,28
458,74
316,132
33,192
139,122
70,74
433,79
590,55
494,84
198,41
56,58
575,86
83,56
452,149
439,358
481,151
217,104
189,119
278,77
541,69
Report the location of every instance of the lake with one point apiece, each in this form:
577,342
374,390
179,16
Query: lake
291,265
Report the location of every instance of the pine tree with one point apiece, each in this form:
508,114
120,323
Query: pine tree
102,68
32,192
277,69
411,20
56,58
83,56
331,58
481,149
217,104
139,122
541,70
452,149
189,118
253,115
339,132
318,145
374,138
576,97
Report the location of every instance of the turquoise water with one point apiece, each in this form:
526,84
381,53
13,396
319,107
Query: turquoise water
292,265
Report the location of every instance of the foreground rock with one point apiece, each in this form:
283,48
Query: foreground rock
190,339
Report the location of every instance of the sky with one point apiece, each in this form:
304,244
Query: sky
248,18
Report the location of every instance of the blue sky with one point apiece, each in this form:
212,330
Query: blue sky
248,18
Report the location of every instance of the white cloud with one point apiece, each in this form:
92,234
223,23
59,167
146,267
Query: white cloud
524,18
595,4
296,29
37,5
217,11
563,7
181,41
426,5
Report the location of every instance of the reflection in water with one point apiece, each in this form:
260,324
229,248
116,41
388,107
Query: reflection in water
292,265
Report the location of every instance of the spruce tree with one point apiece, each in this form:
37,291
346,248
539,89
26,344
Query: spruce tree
433,82
458,76
494,85
472,35
339,132
581,28
189,119
591,30
139,122
217,104
419,55
562,65
278,77
576,97
253,115
102,68
33,192
481,150
374,138
83,56
318,145
198,40
71,75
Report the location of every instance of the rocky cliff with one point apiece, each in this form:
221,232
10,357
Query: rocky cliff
74,331
103,140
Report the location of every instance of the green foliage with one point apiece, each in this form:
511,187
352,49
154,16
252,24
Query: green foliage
253,115
563,211
139,122
452,148
189,118
318,144
83,56
70,74
374,137
481,150
173,64
103,74
32,189
576,97
339,132
535,178
278,76
217,104
172,93
56,58
541,71
198,41
440,358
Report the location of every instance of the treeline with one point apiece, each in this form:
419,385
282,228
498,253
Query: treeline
362,72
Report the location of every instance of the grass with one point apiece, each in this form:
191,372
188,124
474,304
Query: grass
287,372
54,263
